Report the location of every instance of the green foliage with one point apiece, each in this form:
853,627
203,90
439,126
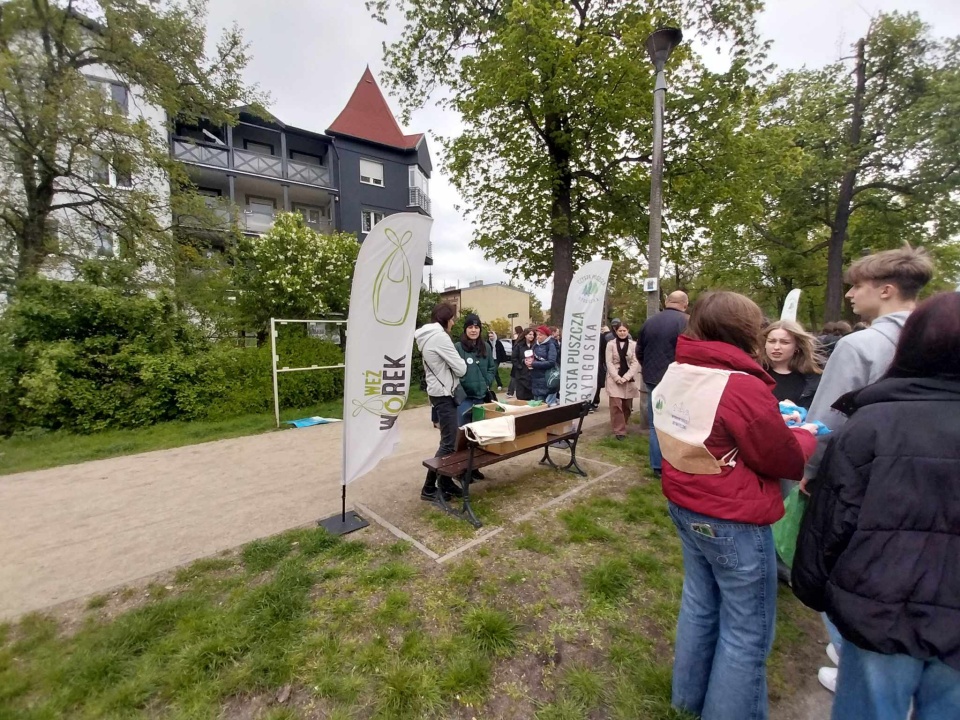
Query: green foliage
555,99
294,272
63,130
492,631
86,358
609,579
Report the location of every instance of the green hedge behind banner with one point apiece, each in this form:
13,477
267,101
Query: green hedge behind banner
85,358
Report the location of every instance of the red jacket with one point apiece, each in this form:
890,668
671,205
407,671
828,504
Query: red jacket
748,418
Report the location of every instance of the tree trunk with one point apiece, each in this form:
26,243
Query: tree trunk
841,218
561,215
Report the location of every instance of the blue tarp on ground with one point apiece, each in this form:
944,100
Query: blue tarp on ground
311,421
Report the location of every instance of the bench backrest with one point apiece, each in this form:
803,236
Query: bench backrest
539,420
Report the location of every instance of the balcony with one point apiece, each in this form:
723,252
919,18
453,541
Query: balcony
258,163
222,218
418,198
197,152
309,174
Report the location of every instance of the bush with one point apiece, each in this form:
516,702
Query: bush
85,358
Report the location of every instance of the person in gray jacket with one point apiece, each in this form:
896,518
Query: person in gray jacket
442,368
884,292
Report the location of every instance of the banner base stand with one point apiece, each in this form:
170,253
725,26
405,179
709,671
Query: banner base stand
343,524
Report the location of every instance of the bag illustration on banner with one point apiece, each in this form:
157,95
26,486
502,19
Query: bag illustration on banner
393,286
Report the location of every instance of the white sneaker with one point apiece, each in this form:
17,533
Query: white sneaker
833,654
828,678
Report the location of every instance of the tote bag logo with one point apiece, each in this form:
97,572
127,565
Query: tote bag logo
393,286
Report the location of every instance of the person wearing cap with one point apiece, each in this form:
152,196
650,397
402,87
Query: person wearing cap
606,335
545,357
481,368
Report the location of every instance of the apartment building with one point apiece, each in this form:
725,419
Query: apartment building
345,179
492,301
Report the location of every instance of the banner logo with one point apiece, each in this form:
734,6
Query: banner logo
393,286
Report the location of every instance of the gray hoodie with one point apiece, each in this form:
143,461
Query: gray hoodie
443,366
858,360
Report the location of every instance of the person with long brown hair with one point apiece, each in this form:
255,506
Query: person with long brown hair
879,543
725,447
790,356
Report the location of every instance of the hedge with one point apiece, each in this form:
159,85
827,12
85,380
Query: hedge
85,358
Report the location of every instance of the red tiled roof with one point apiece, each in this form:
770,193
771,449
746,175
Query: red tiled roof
368,117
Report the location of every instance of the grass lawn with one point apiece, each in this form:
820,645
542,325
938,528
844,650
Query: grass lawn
35,451
567,617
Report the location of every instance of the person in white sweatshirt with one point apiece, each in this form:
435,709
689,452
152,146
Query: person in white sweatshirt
884,290
442,368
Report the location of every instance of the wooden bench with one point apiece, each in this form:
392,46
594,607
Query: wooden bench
469,456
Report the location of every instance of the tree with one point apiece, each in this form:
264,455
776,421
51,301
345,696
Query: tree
536,310
501,326
876,150
293,272
71,144
556,102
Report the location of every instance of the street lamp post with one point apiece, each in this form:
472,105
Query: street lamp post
660,44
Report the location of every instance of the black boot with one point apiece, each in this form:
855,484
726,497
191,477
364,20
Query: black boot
450,488
477,475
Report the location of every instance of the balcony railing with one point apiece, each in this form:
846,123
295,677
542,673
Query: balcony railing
221,218
202,153
256,222
310,174
269,165
418,198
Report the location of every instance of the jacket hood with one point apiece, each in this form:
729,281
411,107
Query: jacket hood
897,318
720,356
894,389
425,333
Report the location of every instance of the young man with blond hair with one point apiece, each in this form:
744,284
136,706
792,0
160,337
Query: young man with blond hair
883,292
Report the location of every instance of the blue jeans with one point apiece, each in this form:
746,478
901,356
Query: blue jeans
656,457
872,686
835,637
727,614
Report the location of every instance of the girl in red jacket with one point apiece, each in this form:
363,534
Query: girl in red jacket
725,447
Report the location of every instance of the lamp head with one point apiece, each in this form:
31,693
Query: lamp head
661,43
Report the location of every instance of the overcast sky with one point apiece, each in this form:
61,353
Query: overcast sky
309,55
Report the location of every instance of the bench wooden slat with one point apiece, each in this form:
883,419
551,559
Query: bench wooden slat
455,464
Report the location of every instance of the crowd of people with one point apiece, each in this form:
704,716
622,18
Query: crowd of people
871,435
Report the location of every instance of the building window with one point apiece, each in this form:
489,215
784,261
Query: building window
260,206
258,147
369,218
121,97
371,173
305,158
312,215
418,180
122,174
106,247
99,170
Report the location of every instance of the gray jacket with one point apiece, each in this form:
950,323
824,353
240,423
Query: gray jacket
858,360
443,366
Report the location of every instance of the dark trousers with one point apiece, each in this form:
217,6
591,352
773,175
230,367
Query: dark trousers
601,380
446,409
497,377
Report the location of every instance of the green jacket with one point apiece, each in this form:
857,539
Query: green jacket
480,373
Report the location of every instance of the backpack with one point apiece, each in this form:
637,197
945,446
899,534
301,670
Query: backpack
684,411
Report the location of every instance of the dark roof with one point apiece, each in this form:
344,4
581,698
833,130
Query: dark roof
368,117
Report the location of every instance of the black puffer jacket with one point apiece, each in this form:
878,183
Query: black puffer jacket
879,547
657,344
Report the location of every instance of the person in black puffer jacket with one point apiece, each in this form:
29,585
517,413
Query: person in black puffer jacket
879,545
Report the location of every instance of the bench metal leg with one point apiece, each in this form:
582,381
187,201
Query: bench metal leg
466,509
572,446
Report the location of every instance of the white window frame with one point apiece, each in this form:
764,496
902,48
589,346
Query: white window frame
371,179
416,178
375,217
262,201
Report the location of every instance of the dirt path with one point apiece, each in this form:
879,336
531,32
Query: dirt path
81,529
